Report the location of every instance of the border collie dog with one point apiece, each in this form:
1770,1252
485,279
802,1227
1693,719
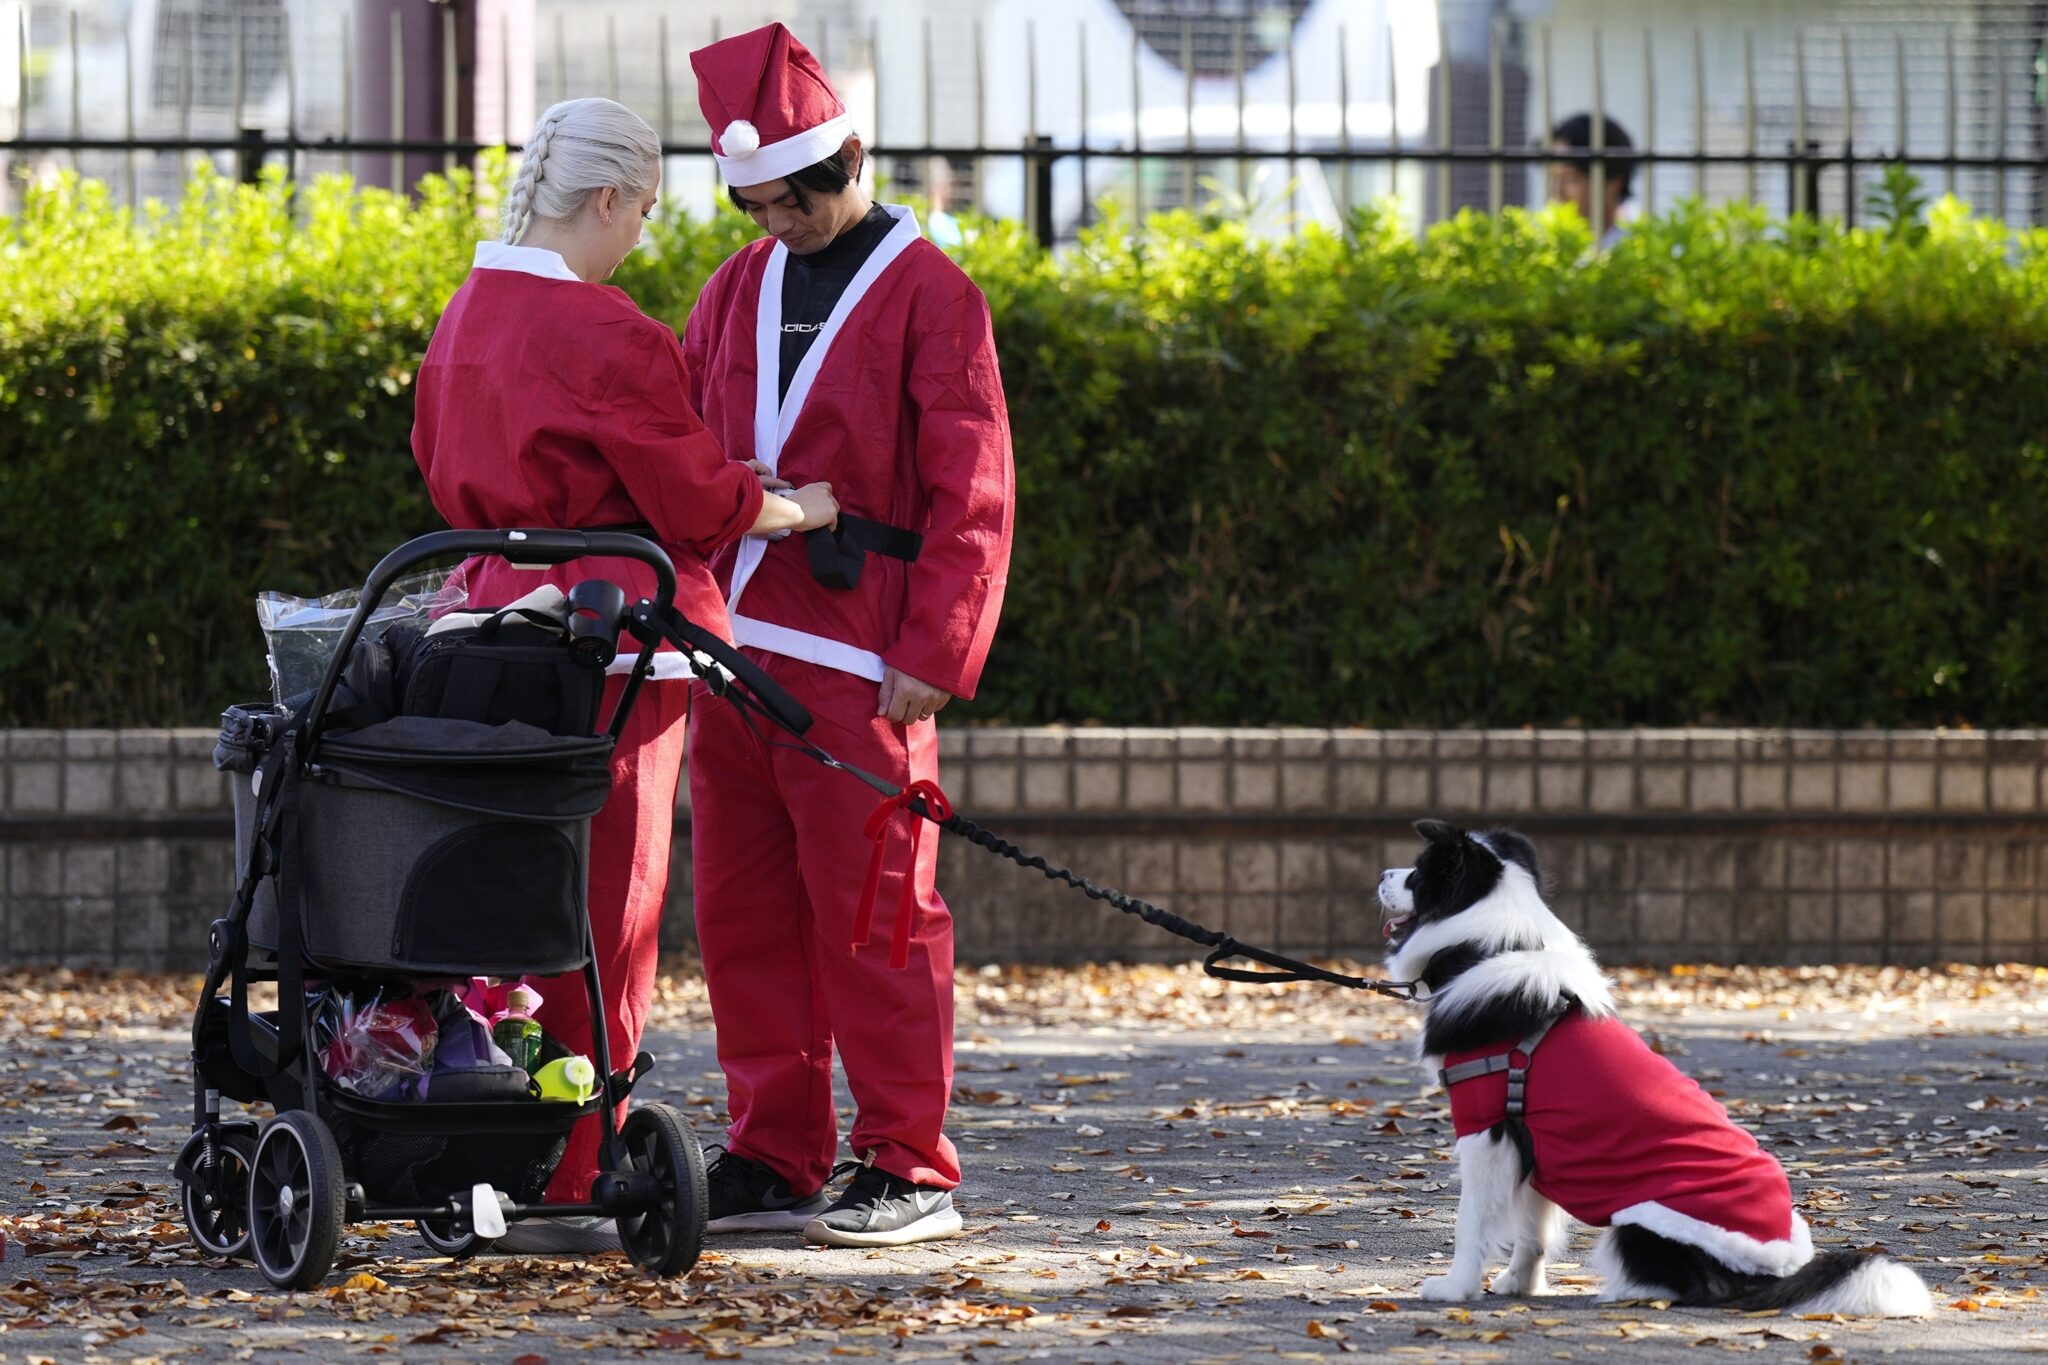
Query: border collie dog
1561,1109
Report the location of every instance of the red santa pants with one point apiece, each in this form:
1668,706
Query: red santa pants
780,860
629,849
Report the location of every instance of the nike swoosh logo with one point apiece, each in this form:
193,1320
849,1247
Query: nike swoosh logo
923,1208
773,1200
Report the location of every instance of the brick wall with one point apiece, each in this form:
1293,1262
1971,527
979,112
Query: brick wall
1661,845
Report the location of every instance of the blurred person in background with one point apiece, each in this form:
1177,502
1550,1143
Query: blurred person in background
1570,176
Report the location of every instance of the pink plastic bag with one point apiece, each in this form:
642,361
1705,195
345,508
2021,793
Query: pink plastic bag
487,998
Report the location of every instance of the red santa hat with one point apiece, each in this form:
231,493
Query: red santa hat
770,108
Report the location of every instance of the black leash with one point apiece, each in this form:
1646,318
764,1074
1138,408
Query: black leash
732,676
1222,947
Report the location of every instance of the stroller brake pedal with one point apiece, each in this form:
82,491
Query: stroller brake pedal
622,1082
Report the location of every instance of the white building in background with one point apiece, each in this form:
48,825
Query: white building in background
1103,74
993,73
1000,71
10,60
1217,78
167,68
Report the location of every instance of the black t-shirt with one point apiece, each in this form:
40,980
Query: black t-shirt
811,286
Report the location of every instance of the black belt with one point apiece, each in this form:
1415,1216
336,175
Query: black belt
837,553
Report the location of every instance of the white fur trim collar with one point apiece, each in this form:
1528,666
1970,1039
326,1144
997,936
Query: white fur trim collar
1737,1249
524,260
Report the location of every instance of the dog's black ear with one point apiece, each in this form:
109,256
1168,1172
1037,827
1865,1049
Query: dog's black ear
1515,848
1439,831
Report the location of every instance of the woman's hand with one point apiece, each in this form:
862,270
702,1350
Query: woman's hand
770,480
806,509
907,701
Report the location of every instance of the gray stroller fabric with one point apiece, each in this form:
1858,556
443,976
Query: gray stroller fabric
512,770
424,846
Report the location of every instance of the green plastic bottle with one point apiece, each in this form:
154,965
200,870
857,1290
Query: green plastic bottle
516,1034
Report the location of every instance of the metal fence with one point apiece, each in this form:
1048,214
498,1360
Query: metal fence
1157,114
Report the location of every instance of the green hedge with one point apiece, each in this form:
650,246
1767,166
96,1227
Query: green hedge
1733,471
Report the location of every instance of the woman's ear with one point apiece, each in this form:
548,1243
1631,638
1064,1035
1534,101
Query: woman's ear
606,202
854,155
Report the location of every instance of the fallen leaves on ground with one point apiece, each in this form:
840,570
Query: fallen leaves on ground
1149,1152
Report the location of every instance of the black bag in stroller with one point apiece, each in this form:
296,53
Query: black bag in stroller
417,847
536,662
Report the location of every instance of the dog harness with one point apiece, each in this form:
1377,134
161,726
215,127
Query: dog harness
1620,1135
1518,1073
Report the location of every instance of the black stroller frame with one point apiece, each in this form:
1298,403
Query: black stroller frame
282,1193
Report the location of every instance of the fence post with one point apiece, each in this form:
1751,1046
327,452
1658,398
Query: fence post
249,155
1038,186
1802,176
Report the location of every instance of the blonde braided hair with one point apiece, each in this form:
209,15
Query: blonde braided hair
532,167
577,147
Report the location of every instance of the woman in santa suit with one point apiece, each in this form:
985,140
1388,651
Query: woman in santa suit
547,398
841,347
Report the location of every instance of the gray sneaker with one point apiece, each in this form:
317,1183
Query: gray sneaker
882,1210
747,1196
574,1235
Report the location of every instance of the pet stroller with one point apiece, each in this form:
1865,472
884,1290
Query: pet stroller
421,847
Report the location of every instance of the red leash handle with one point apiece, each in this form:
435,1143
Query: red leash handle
937,807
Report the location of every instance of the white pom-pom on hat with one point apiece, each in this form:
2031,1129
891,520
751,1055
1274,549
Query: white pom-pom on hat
740,138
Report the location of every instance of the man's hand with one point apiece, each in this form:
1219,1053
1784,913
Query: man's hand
820,508
907,701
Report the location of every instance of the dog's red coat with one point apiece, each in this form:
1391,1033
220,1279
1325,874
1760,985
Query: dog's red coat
1616,1126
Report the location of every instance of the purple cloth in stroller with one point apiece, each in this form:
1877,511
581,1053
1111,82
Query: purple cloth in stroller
467,1064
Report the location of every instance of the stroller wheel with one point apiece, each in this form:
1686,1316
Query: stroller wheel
665,1240
452,1237
296,1200
217,1198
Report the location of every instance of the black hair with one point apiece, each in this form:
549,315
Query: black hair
1576,133
830,176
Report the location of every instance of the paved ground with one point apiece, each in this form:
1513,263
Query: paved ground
1161,1169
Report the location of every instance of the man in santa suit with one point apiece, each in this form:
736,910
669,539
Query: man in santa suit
841,347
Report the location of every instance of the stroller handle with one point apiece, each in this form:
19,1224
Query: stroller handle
529,546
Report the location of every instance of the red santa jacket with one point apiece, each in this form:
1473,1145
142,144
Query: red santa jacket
899,404
546,401
1623,1136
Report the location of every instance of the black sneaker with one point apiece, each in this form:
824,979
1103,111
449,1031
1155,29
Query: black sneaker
882,1210
747,1196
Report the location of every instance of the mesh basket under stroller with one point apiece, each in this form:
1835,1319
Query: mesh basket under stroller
406,848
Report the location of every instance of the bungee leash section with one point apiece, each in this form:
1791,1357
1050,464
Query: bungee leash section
738,680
